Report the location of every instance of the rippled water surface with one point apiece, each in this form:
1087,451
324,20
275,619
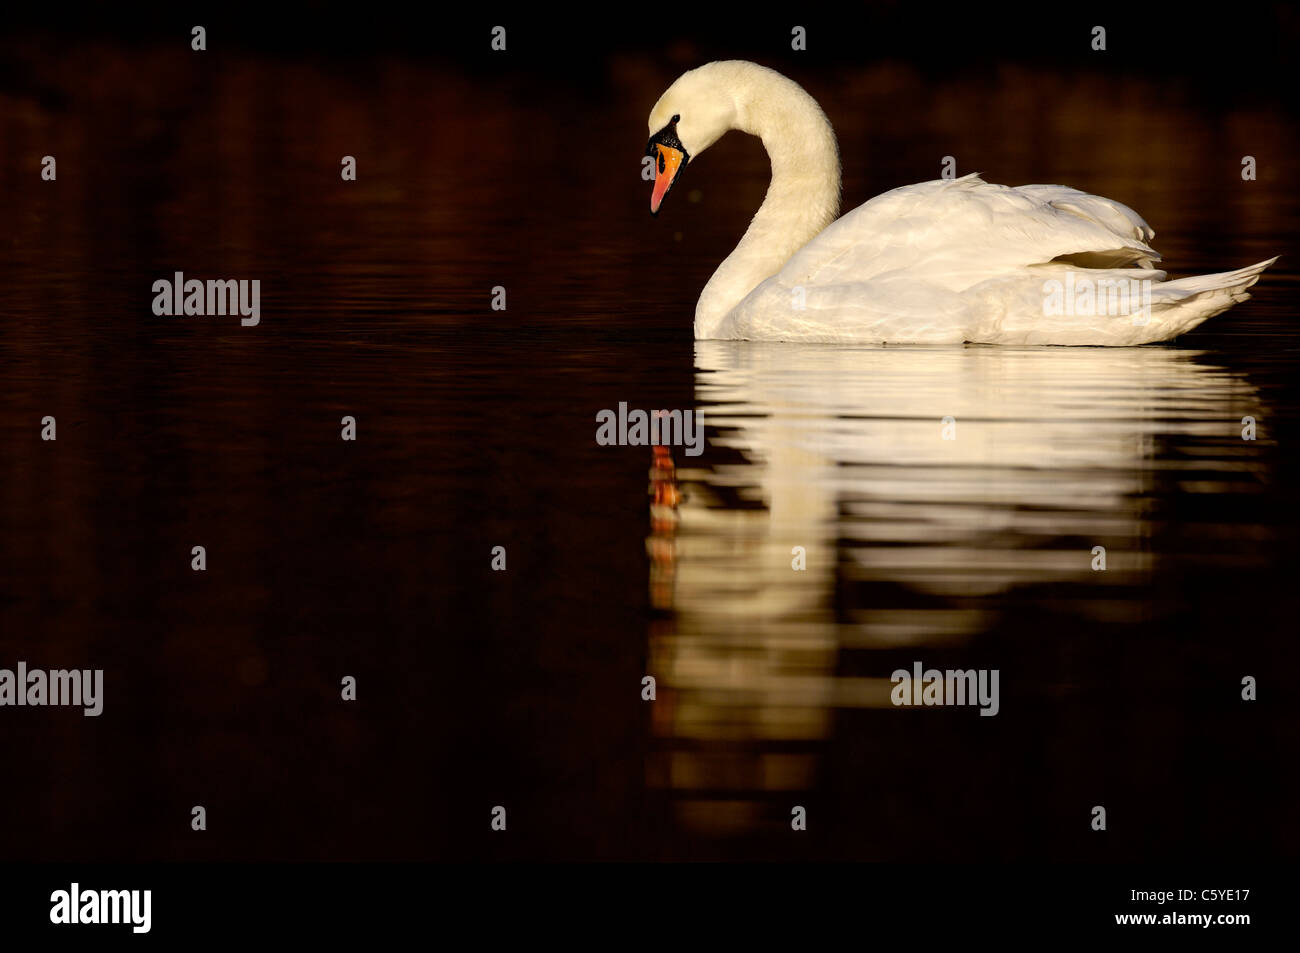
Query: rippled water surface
476,429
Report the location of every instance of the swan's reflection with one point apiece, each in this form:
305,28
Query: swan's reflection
911,539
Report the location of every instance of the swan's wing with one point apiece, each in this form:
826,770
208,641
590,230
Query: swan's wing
956,233
962,260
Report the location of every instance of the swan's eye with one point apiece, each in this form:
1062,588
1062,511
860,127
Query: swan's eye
676,117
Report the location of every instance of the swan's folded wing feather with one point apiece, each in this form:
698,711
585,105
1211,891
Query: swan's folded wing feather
958,232
1116,216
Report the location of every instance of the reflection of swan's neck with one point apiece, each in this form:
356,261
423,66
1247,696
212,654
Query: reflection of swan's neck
803,199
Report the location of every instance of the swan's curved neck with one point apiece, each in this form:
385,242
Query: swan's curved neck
802,199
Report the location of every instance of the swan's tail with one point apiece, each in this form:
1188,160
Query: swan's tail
1182,304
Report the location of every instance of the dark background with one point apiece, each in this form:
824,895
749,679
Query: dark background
522,169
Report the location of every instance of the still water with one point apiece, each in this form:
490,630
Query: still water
965,544
476,429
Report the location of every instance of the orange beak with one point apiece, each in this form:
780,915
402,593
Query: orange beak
668,163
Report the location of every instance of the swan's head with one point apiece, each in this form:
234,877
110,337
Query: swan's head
691,116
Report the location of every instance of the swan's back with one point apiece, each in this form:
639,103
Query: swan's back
963,260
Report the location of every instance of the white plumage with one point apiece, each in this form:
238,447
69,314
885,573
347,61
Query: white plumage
940,262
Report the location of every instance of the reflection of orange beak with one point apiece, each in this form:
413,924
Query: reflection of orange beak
668,163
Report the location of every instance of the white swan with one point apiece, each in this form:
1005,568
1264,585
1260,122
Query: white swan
944,262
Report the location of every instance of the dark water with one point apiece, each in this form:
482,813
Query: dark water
476,429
